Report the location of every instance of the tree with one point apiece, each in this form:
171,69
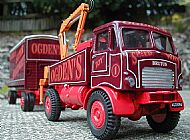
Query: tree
105,11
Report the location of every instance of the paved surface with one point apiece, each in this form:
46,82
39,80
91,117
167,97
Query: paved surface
18,125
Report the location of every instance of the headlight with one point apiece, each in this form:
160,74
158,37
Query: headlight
130,81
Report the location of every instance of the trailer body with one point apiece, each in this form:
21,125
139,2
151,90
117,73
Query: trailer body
28,58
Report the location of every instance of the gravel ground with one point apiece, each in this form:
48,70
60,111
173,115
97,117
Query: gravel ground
72,125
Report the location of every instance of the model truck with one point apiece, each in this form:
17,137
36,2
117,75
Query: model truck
128,70
27,60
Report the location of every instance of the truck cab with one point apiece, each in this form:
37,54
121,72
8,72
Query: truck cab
134,56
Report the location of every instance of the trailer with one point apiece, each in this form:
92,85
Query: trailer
27,60
128,69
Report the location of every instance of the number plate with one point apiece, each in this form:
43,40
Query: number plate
177,104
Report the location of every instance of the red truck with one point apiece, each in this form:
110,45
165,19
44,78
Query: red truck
128,70
27,60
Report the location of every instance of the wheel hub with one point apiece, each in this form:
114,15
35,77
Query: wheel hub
98,114
22,101
48,105
159,118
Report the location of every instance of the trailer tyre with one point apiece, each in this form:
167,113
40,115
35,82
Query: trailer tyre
163,123
12,95
24,102
52,105
27,101
31,98
101,120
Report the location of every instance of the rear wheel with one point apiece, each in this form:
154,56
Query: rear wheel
101,120
164,122
52,105
12,95
27,101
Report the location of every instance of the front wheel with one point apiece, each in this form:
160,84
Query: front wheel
163,122
101,120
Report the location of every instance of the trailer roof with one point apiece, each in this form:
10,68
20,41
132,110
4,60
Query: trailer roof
32,36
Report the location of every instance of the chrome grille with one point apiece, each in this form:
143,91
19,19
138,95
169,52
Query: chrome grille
157,77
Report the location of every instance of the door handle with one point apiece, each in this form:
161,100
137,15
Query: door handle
94,56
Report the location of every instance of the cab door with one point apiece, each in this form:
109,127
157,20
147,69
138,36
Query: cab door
106,60
100,54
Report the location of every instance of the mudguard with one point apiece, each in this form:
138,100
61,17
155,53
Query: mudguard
122,103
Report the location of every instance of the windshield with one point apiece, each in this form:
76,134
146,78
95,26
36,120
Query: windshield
162,42
134,38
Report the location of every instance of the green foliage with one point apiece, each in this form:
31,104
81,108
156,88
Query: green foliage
179,27
4,89
109,10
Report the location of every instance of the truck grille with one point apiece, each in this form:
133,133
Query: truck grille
157,77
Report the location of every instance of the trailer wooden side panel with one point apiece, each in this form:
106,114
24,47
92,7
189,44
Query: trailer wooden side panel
17,66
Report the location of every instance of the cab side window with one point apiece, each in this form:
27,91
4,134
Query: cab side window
102,41
162,42
114,42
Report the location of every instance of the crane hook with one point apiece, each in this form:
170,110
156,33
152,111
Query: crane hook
90,3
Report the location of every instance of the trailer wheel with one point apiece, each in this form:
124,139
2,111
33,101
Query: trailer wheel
27,101
52,105
163,122
31,98
12,95
24,102
101,120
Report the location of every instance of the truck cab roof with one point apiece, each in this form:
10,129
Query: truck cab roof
130,24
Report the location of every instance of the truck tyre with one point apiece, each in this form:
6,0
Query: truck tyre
163,123
12,95
31,100
101,120
24,102
52,105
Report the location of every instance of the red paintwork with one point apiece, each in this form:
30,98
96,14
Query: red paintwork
130,25
130,61
48,105
159,118
118,100
98,114
73,70
27,62
119,71
72,96
108,70
84,45
43,48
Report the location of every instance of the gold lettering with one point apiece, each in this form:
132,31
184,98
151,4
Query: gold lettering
52,76
78,67
40,48
34,48
70,70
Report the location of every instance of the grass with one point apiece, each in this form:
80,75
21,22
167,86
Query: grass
4,89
